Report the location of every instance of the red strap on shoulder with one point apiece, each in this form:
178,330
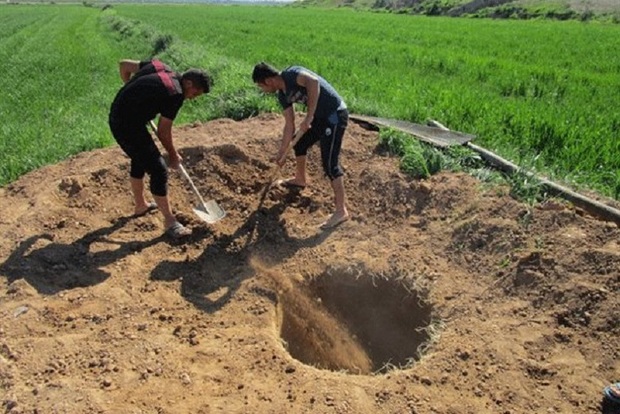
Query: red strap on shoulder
164,76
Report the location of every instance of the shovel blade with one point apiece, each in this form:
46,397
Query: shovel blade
211,212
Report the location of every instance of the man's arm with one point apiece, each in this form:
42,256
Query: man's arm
287,134
127,68
164,133
311,83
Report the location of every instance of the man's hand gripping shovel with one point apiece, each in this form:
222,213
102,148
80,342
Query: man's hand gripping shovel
278,168
209,211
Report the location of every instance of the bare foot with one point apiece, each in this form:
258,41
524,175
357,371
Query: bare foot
291,184
335,220
142,210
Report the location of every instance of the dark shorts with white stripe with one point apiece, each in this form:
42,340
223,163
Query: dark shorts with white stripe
329,134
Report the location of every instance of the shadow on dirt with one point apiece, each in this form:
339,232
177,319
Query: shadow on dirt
51,267
609,407
211,280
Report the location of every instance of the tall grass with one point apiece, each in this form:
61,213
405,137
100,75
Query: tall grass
537,92
59,74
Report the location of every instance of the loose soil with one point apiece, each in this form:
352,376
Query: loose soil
438,296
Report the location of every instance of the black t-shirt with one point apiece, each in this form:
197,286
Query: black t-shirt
154,89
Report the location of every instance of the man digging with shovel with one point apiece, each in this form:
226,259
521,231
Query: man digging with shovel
152,88
325,122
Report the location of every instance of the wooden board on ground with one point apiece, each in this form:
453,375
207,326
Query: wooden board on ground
432,135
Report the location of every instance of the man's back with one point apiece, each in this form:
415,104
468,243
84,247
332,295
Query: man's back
151,91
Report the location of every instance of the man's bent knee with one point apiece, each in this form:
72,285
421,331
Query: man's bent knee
334,173
159,180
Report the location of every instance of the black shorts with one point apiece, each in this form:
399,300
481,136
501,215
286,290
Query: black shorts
138,144
329,134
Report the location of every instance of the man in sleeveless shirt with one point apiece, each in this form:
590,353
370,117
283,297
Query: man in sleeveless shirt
325,122
152,88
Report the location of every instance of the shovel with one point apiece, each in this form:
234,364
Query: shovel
209,211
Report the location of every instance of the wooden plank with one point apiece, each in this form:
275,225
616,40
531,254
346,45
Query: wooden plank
430,134
594,207
441,136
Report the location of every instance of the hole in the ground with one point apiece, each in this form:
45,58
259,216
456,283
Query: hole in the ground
357,323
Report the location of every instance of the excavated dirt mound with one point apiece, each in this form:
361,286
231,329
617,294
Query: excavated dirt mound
439,296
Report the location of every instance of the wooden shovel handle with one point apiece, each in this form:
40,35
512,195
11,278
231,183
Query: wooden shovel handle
291,144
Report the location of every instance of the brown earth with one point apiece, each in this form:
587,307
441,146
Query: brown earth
439,296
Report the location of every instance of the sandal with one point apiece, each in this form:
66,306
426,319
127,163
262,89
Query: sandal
177,230
612,393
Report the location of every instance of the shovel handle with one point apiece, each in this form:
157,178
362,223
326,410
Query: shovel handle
294,140
191,183
182,169
154,128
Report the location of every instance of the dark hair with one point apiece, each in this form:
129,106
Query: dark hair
263,71
199,78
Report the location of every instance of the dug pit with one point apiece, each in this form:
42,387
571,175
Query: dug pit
358,322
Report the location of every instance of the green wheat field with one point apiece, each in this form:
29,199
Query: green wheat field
544,94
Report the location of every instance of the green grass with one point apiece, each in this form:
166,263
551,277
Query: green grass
59,77
540,93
